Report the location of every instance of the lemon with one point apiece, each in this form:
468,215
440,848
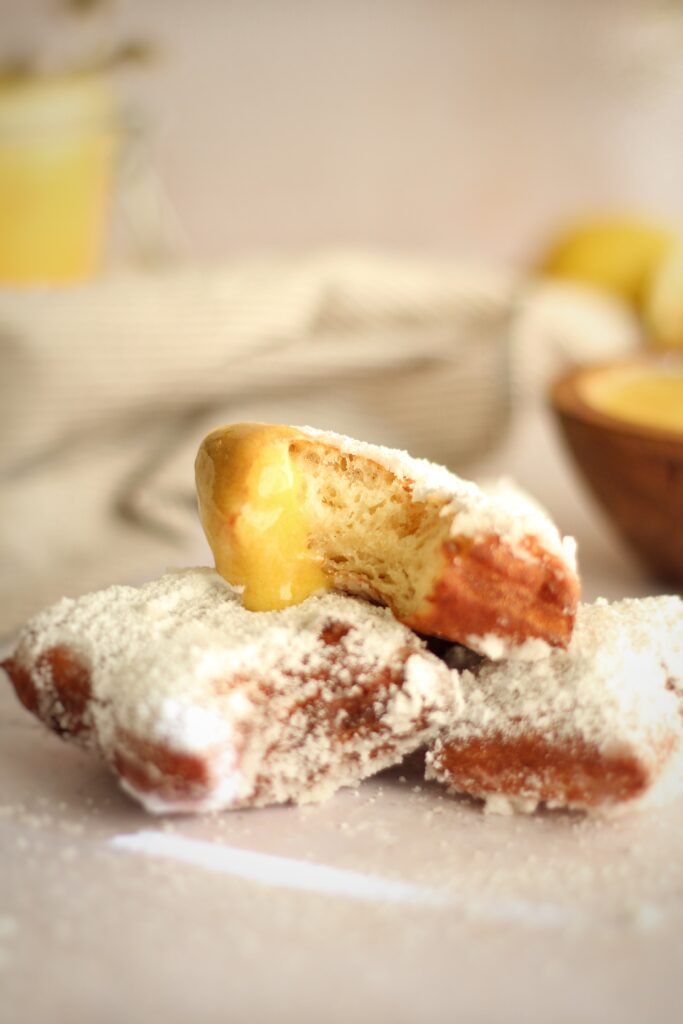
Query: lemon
663,301
618,255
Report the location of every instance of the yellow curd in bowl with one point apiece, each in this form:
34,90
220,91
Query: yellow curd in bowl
646,396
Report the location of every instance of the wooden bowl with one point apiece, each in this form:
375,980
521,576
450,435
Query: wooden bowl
635,472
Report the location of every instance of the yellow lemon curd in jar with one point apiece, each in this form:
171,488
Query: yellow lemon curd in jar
58,143
646,396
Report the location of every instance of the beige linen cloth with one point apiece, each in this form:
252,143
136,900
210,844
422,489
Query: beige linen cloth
107,388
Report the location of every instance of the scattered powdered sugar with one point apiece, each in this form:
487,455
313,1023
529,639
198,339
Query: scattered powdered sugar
498,648
657,623
608,686
262,698
498,803
428,478
616,689
416,693
503,509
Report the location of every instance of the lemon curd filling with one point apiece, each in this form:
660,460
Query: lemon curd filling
650,398
276,567
249,496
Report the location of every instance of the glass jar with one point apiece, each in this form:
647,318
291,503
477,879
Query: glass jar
59,138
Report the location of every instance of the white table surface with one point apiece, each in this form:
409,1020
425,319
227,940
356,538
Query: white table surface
424,908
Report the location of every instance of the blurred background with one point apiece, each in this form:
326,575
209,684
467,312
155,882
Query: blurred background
398,218
439,126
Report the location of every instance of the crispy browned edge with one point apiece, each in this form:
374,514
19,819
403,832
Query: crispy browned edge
62,699
486,589
485,586
559,772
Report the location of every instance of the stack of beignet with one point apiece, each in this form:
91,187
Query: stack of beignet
278,678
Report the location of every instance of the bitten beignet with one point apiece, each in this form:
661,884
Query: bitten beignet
590,728
197,704
289,511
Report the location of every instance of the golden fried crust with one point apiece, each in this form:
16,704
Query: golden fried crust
296,735
23,684
593,726
170,777
65,706
66,710
483,591
558,773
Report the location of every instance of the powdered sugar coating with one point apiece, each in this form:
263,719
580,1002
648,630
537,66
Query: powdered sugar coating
499,648
265,706
503,509
616,690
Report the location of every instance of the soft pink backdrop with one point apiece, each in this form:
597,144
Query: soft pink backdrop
439,125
